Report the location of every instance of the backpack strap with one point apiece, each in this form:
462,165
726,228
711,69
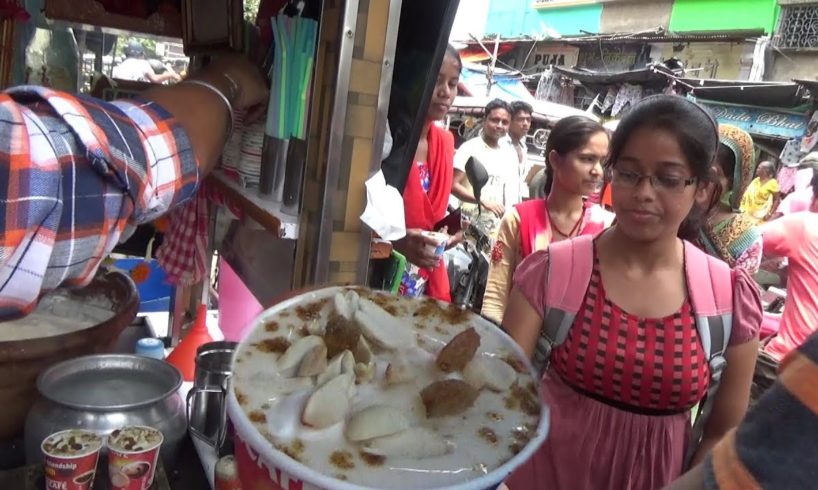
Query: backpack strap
710,285
570,264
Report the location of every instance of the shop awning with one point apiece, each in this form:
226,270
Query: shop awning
641,76
811,85
765,94
507,86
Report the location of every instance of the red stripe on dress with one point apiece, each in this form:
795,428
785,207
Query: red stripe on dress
631,356
593,340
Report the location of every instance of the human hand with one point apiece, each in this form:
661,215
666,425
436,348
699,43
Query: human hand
252,89
415,247
495,207
455,239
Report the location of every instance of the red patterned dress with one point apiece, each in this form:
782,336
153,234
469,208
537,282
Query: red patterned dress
620,389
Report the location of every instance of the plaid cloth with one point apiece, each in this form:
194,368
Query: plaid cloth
183,254
76,175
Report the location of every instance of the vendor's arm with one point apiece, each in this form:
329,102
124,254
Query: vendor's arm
776,445
202,113
77,171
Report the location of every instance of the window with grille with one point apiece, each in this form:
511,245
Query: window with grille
798,27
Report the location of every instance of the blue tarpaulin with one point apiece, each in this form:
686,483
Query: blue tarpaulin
506,86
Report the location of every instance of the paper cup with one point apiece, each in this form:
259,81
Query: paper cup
441,238
71,459
132,456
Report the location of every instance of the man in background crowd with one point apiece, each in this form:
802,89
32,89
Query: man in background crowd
796,237
501,163
135,67
521,114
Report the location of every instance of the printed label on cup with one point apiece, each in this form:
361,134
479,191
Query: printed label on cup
71,459
442,240
132,456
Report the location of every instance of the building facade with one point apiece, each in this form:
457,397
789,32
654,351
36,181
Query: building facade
718,36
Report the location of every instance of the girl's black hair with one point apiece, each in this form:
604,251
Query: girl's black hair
696,132
694,128
569,134
454,53
726,160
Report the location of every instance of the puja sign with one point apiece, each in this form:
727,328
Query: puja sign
551,55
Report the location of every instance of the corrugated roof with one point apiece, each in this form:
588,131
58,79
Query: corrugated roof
643,75
626,38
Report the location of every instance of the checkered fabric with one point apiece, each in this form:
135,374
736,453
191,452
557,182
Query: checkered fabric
183,254
76,174
654,364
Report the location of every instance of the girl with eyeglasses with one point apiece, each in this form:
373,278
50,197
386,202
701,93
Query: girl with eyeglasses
622,383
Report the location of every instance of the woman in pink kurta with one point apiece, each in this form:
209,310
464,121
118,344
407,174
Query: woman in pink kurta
576,148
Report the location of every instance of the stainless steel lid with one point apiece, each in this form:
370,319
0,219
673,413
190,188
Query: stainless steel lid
109,381
216,357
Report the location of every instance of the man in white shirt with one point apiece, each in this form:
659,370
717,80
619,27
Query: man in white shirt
501,162
521,113
138,69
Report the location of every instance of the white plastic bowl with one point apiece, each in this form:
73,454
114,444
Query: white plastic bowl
257,458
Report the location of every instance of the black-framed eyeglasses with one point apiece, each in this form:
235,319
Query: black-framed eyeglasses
666,183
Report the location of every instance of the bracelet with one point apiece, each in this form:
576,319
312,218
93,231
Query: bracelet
234,87
221,95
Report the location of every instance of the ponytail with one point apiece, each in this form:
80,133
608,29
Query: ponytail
549,178
697,218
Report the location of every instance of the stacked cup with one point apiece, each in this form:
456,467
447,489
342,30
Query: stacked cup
232,149
132,456
71,458
252,142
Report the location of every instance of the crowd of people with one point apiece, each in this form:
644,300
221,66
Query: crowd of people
640,311
634,315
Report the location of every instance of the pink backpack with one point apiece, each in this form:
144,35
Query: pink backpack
710,285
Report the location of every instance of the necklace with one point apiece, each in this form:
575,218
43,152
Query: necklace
574,230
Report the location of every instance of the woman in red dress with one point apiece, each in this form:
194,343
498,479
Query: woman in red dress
427,190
